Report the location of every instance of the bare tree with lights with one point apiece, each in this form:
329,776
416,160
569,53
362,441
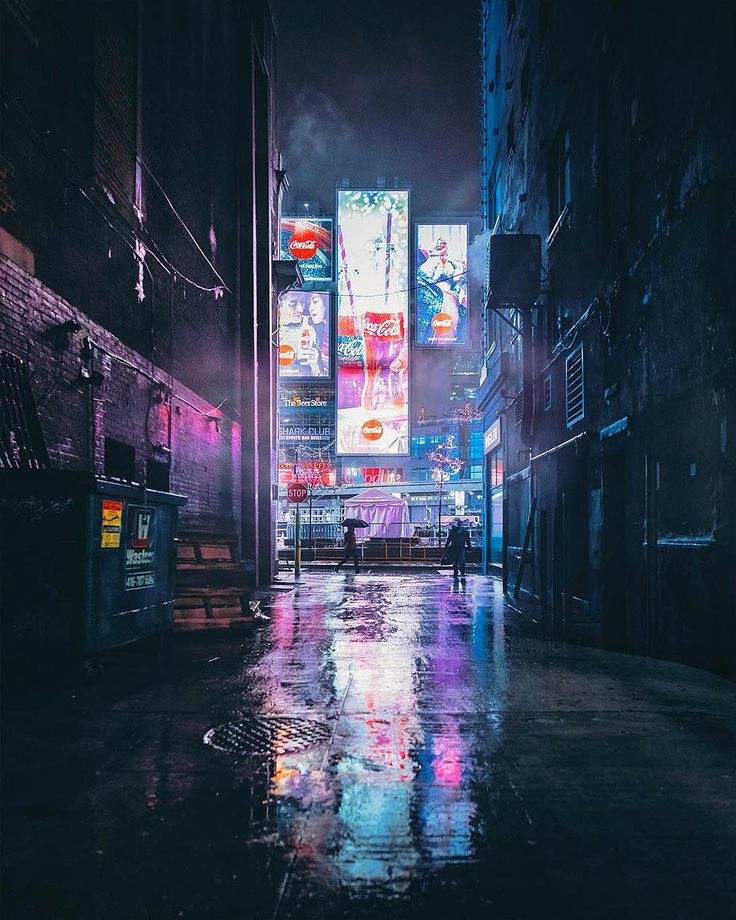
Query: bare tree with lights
313,471
444,465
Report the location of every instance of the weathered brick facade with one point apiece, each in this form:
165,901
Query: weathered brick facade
127,406
608,130
137,197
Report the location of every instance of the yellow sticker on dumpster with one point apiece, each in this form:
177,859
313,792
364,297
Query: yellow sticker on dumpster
112,523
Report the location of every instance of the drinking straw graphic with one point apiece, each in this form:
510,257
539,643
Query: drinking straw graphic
387,288
344,262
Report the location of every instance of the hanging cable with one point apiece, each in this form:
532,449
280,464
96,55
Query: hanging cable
184,225
152,246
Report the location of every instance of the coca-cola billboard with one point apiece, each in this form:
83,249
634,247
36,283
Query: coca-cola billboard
308,241
372,391
442,285
304,335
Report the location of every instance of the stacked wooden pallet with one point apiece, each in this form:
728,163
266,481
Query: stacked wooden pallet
213,586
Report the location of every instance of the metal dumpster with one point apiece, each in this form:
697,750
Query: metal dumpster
86,563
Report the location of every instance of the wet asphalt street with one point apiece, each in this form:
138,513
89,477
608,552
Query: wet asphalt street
387,746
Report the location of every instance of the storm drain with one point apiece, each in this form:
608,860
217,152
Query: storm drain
278,735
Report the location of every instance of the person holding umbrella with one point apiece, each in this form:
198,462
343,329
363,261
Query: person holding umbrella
458,540
351,542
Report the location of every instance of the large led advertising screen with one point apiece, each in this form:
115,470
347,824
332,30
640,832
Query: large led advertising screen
442,284
373,321
306,414
308,241
304,335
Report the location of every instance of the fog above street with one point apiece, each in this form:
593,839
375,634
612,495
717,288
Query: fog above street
381,89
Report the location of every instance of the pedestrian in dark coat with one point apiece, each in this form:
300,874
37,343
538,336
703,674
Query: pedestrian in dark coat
458,540
351,549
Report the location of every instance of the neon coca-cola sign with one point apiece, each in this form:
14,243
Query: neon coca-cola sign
388,328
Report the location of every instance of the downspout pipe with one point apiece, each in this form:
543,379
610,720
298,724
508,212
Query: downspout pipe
527,361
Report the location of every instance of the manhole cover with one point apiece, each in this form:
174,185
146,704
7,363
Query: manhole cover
267,736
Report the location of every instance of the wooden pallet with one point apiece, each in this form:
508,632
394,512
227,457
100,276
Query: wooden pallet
212,585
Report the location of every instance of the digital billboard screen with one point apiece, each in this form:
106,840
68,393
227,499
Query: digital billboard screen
308,241
304,335
373,321
442,285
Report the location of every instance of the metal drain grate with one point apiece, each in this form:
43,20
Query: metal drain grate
277,735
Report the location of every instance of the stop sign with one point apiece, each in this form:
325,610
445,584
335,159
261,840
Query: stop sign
296,493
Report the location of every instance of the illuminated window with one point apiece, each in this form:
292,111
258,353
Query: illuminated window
496,469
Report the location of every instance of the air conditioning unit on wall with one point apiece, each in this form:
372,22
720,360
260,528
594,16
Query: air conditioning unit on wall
515,269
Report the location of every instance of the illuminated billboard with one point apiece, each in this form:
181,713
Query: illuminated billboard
308,241
304,335
442,284
373,321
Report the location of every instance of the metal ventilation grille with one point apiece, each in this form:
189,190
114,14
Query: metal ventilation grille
519,408
548,393
574,387
22,445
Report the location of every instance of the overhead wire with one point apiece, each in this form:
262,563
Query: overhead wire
406,290
184,224
152,247
134,153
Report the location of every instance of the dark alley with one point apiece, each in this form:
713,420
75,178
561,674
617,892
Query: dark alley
382,746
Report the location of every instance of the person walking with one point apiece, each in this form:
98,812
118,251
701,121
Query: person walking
351,549
458,540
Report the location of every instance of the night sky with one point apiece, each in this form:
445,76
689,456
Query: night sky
380,89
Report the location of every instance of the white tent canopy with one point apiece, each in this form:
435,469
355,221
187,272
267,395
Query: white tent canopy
387,515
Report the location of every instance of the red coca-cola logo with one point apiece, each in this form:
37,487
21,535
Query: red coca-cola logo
442,323
372,430
287,355
303,245
388,326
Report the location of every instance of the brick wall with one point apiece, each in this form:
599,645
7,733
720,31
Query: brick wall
76,418
67,177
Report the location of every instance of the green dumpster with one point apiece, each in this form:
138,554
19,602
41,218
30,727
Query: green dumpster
87,563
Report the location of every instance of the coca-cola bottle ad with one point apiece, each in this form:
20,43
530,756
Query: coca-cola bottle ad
304,334
372,322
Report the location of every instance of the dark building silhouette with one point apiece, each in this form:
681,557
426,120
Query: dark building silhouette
138,200
608,130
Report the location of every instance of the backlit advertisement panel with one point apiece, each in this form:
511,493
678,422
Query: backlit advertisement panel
373,321
309,242
304,335
442,284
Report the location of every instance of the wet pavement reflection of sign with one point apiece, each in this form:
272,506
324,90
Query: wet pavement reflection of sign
140,548
390,746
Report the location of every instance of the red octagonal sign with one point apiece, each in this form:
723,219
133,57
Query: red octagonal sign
296,493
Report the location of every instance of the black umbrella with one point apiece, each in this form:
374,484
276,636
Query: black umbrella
354,522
